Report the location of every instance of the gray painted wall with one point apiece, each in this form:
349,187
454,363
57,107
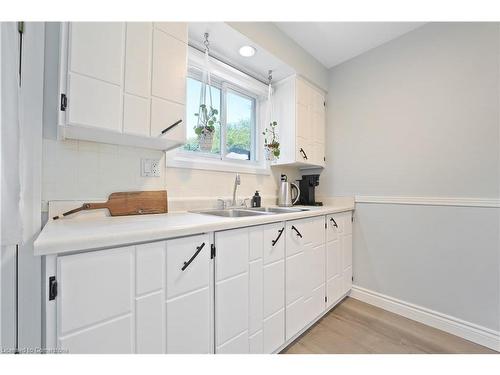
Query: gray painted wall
419,116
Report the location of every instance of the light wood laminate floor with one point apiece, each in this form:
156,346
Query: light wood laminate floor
356,327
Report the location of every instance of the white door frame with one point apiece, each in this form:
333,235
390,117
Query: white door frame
21,270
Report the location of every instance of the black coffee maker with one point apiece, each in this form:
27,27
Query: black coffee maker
307,186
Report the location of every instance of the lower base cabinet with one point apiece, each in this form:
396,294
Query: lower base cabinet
137,299
338,256
253,292
249,289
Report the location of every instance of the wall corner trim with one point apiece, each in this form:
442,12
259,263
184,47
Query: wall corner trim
466,330
430,201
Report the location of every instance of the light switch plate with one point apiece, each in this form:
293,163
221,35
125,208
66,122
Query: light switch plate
150,167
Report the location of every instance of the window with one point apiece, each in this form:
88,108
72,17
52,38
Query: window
234,138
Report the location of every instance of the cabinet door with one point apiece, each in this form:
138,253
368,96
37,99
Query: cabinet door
169,67
96,50
231,289
188,295
303,103
138,58
339,256
95,74
305,272
249,290
94,305
318,125
267,288
137,85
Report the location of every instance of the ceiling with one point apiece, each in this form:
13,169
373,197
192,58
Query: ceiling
332,43
225,43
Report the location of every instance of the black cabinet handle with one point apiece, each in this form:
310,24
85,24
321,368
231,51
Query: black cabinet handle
297,231
334,222
304,155
171,126
198,249
280,232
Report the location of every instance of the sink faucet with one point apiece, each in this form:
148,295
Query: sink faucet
237,181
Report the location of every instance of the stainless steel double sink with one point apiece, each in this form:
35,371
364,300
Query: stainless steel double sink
244,212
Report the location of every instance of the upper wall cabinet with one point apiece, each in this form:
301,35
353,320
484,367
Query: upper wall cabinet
124,83
299,108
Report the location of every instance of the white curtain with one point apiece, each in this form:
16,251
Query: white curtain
11,227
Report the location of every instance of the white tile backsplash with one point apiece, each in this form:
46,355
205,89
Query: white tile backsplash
79,170
74,170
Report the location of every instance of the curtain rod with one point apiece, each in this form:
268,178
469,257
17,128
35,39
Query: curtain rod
229,64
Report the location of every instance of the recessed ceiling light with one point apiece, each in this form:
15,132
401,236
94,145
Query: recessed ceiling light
247,51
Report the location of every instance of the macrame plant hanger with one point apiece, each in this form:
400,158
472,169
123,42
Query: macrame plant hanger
205,82
269,97
269,124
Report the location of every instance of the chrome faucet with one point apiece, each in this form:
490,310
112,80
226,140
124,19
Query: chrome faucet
237,181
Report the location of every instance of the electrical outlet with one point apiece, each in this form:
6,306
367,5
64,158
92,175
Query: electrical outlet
150,167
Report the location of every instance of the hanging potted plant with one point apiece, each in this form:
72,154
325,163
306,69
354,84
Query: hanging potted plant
207,115
271,144
205,129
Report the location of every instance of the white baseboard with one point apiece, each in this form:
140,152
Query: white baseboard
469,331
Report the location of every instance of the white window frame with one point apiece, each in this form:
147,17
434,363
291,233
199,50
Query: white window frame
227,79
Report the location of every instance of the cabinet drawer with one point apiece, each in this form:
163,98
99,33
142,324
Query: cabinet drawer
196,275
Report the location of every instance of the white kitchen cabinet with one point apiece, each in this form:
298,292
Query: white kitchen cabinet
123,83
305,272
299,109
249,289
254,291
189,295
338,256
137,299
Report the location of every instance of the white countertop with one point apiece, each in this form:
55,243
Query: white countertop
76,234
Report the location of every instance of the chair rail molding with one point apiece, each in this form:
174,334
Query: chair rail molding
429,201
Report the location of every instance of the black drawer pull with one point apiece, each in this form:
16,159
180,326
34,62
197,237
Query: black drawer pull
297,231
304,155
198,249
280,232
171,126
334,222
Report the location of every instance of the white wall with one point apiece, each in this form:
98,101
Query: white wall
275,41
77,170
419,116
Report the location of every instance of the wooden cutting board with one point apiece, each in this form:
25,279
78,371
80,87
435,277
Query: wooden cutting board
128,203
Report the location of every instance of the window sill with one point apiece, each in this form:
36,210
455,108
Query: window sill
177,160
